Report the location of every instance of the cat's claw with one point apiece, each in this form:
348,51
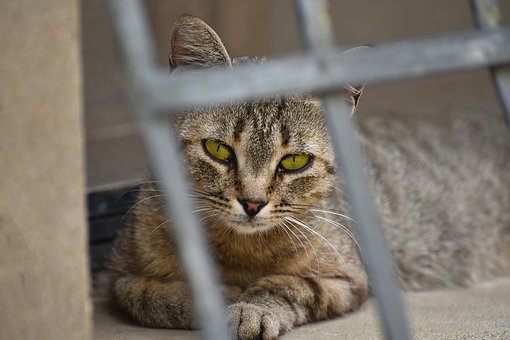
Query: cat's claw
248,321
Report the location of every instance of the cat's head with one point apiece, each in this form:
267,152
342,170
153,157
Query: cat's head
254,164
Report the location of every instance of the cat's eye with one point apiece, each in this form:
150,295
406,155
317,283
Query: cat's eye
218,150
295,162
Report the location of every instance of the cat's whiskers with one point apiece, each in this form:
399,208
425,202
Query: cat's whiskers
330,246
134,206
143,200
212,200
150,190
208,200
200,193
194,195
201,209
314,210
209,217
145,182
318,209
339,225
337,187
281,226
303,245
332,212
261,236
225,234
139,184
160,225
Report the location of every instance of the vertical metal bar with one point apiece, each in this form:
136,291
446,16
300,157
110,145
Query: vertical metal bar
487,15
375,253
315,24
161,143
352,165
135,39
192,246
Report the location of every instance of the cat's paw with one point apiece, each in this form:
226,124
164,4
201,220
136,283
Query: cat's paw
249,321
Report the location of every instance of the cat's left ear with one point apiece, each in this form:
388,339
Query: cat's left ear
353,92
194,44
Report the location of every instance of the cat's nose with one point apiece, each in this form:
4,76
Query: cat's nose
252,208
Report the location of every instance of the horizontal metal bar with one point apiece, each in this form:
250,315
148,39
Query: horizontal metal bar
326,72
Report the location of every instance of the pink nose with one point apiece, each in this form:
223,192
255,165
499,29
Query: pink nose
252,208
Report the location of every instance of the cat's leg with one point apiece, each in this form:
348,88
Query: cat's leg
155,303
275,304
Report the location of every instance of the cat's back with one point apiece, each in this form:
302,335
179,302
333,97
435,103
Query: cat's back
442,184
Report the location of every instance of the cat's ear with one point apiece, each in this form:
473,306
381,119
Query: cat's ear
353,92
195,44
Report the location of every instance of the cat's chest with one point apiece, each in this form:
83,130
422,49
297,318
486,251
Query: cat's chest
242,262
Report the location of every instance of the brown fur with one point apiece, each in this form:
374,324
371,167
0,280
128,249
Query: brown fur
278,274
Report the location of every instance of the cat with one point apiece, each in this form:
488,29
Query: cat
266,188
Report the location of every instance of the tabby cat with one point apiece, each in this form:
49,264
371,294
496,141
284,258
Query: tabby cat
276,218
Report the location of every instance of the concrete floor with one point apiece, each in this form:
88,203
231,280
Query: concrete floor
480,312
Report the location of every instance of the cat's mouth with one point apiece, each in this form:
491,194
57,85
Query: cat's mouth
247,225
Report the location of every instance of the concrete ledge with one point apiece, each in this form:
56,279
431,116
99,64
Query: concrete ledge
480,312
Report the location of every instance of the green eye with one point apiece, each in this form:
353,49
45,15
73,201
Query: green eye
217,150
295,162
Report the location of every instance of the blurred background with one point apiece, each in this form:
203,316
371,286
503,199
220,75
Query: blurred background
115,154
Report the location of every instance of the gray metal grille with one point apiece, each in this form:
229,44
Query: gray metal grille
322,70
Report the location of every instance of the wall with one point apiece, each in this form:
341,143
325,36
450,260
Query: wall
44,285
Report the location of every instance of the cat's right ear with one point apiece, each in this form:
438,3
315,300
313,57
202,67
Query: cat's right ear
194,44
353,92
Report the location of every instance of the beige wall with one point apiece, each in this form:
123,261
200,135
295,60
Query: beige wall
44,290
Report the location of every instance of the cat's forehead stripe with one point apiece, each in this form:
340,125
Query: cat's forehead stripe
261,144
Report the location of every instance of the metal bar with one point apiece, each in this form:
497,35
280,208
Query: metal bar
325,72
486,13
191,242
136,41
488,16
315,24
501,80
376,256
351,162
161,143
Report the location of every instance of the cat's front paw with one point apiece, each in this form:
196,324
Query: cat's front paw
249,321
